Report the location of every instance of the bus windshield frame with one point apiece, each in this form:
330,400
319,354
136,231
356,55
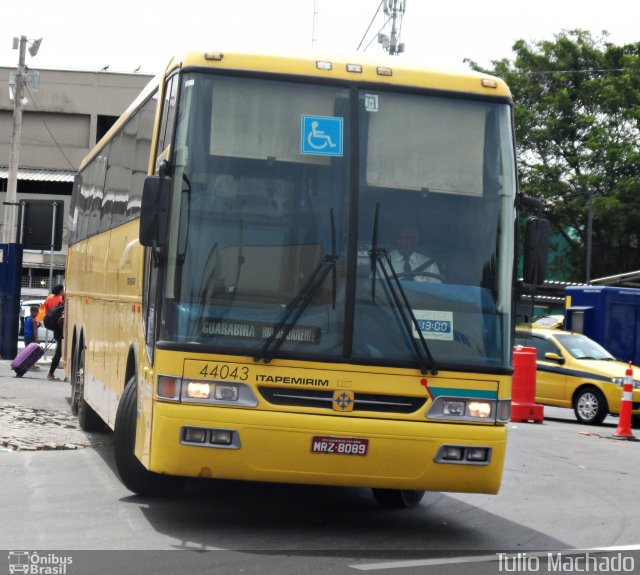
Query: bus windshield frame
273,234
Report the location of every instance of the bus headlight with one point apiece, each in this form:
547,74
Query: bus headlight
464,409
479,409
455,408
217,391
225,392
198,390
172,388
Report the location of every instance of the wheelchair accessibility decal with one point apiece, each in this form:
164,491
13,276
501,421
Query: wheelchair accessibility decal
321,135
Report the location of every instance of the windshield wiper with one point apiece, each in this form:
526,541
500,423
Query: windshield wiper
299,303
380,257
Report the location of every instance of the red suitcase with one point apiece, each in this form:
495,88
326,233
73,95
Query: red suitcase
27,358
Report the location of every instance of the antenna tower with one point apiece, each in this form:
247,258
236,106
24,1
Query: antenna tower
394,11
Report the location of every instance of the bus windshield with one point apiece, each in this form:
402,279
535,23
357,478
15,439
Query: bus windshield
269,176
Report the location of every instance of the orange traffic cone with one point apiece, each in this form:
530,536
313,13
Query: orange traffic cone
624,420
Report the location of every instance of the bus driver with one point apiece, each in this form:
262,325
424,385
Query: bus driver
408,262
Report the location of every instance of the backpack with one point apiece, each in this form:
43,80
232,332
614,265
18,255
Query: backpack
53,316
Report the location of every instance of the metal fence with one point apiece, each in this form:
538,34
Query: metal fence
33,279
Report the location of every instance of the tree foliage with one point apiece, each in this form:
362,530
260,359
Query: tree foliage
577,122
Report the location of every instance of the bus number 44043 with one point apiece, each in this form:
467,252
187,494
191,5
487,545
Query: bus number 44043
339,445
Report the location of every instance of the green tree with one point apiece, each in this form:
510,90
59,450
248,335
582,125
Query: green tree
577,121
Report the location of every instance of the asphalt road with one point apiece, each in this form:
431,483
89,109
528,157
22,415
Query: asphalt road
565,486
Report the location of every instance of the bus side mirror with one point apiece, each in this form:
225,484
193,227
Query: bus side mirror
154,211
536,250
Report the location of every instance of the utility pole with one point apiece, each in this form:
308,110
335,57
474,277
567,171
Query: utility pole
11,205
9,231
10,250
314,32
589,234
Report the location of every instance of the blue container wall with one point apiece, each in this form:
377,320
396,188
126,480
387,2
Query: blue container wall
611,317
10,273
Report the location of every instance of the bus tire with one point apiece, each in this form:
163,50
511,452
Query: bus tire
398,498
88,419
75,392
590,406
133,474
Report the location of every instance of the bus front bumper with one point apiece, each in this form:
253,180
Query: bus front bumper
324,449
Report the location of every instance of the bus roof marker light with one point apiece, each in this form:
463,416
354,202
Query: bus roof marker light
384,71
324,65
216,56
355,68
489,83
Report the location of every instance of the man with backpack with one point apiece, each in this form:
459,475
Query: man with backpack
52,312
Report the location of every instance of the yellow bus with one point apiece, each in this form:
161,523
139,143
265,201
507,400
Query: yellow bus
234,303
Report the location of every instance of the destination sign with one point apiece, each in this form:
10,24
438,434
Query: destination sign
257,330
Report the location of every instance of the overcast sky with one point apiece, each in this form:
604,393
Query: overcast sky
125,34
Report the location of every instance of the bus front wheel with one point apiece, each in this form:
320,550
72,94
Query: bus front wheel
133,474
398,498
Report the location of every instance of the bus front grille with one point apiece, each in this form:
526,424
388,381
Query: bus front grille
295,397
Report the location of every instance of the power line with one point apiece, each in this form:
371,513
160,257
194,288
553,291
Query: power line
585,71
377,34
369,26
48,130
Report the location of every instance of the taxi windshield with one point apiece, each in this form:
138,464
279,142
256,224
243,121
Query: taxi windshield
581,347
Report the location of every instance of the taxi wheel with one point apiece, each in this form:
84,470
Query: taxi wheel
397,498
590,406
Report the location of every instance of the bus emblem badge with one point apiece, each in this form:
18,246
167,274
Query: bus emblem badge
343,400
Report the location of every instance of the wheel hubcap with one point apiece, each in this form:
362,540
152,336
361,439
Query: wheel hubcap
588,406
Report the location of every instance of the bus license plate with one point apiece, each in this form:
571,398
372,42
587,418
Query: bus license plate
339,445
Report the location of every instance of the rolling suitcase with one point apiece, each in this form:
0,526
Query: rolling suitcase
27,358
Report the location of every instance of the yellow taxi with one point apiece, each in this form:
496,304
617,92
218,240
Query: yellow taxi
576,372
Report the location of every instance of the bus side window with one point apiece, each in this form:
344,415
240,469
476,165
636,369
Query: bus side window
142,150
165,134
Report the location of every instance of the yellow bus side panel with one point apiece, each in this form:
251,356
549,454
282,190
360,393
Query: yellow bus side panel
104,311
